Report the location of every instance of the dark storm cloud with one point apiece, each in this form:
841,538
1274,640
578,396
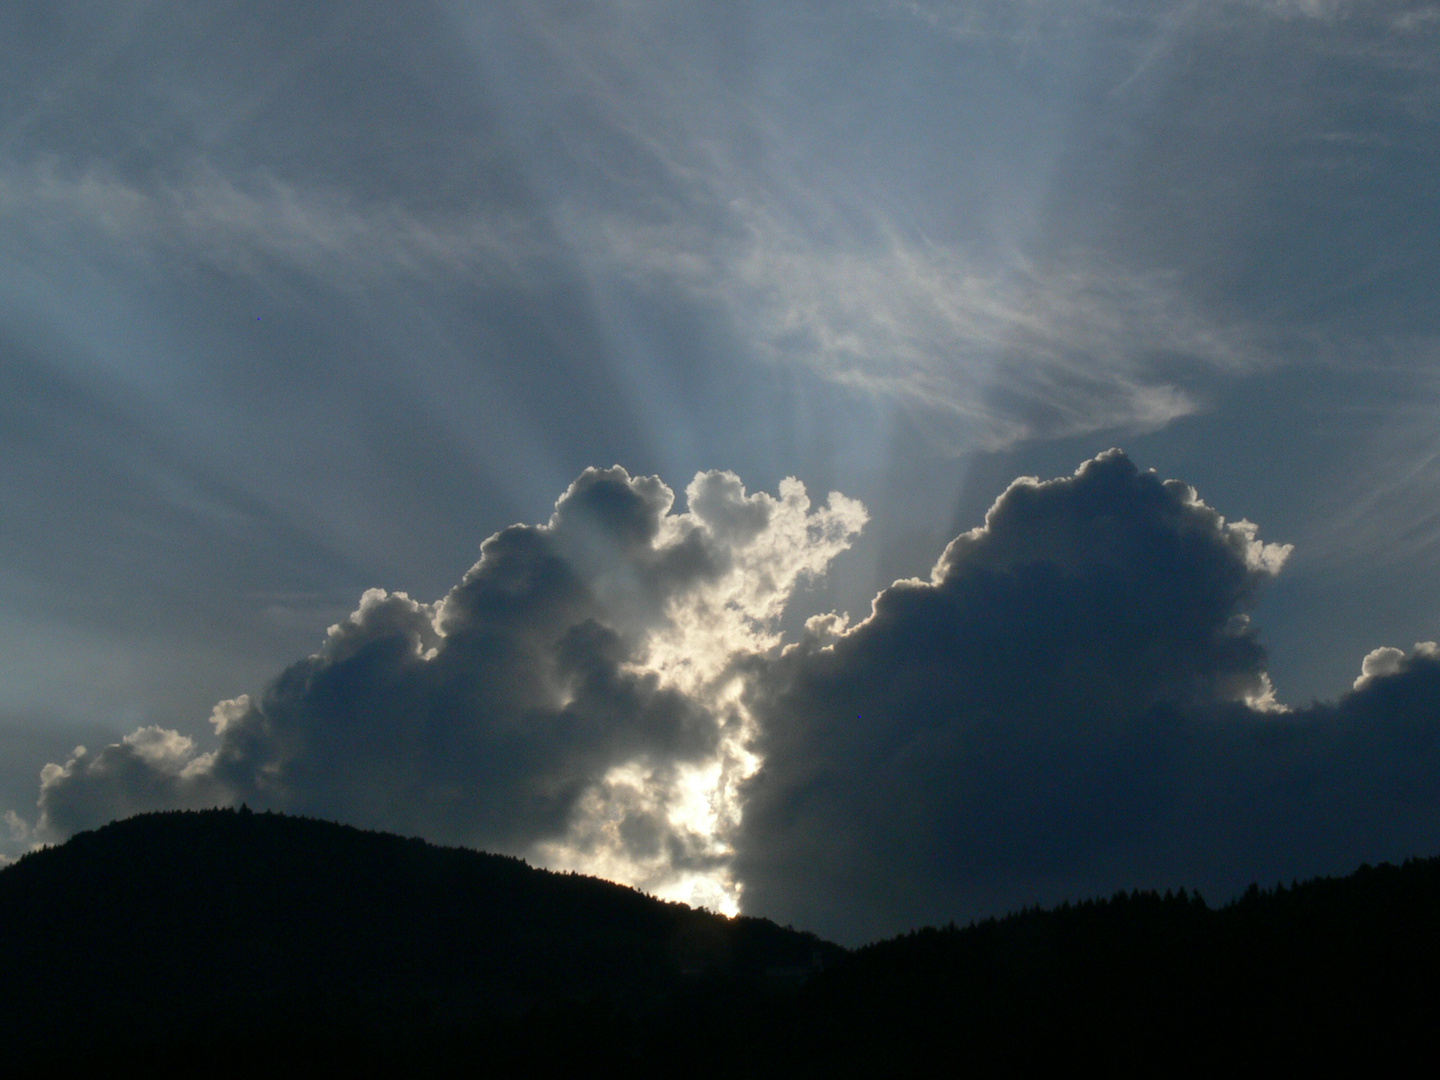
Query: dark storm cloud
481,718
1074,703
488,718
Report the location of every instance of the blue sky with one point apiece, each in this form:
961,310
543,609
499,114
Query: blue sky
298,301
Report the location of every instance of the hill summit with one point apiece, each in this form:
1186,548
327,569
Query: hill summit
257,930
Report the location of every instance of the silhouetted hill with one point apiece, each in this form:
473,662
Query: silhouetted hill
1320,974
261,931
258,943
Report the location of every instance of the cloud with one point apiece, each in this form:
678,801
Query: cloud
659,167
937,329
1074,702
1017,18
567,700
702,187
1387,661
1385,508
256,222
1379,663
152,768
20,832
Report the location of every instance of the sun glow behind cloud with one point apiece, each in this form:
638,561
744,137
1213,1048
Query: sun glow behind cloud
575,699
692,810
497,244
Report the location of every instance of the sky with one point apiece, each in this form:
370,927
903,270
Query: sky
860,463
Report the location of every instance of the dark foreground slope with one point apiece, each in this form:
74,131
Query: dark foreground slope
261,944
249,935
1331,972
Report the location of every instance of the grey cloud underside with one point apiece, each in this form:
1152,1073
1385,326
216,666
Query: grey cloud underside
937,817
497,716
477,720
1074,702
1065,710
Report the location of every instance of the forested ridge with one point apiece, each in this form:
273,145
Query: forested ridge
1321,972
266,941
243,930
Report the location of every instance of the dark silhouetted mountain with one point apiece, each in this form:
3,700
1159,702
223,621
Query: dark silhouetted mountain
1327,973
186,932
258,943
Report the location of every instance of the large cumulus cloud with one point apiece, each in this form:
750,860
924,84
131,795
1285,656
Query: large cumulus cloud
560,694
1074,702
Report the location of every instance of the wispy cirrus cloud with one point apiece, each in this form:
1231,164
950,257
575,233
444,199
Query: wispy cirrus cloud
1003,350
257,222
750,215
650,164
